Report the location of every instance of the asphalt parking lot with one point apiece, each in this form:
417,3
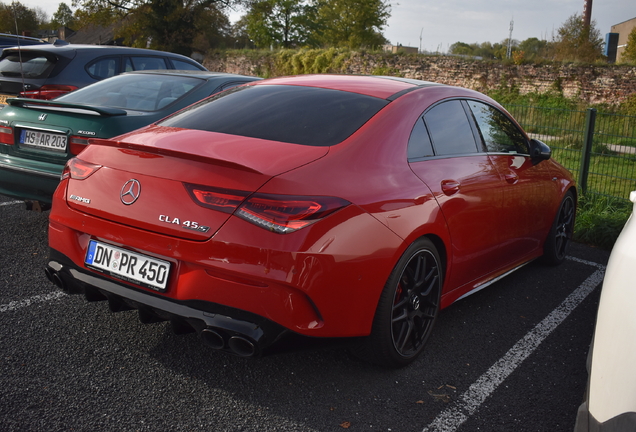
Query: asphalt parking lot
508,358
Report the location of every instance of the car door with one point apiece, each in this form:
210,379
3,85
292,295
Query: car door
529,189
444,154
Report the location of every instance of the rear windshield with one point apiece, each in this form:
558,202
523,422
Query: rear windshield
299,115
139,92
30,64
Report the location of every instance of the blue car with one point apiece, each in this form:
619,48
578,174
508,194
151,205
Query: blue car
11,40
50,70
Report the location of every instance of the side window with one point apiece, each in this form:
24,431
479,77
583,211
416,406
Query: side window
183,65
499,133
148,63
449,128
104,67
128,66
419,142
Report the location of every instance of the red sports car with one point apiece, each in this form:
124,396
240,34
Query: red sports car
326,206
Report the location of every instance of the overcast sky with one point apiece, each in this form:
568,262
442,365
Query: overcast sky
441,23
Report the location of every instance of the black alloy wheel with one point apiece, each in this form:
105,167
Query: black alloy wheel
408,307
560,236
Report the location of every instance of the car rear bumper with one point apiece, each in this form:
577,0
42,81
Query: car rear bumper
28,181
221,327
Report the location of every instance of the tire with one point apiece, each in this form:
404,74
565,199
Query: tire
556,245
408,308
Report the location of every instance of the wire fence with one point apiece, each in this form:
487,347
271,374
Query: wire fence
598,148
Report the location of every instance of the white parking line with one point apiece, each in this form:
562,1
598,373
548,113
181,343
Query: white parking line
11,306
10,203
453,417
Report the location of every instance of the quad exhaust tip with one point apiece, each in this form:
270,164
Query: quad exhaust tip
55,278
242,346
239,345
212,339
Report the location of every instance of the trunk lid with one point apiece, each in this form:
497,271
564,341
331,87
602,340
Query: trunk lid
163,161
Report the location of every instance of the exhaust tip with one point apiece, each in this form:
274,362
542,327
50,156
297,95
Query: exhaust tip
212,339
59,282
49,274
241,346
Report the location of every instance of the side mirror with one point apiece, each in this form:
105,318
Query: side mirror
539,151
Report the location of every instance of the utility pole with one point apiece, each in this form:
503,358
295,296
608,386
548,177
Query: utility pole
421,39
587,14
512,23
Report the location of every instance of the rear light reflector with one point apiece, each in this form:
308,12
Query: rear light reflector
284,214
6,135
77,144
223,200
78,169
47,92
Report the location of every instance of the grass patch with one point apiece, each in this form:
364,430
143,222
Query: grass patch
600,220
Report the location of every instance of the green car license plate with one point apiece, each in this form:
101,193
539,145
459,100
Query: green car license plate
129,266
43,140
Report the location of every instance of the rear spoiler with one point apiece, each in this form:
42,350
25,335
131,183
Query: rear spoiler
171,152
65,106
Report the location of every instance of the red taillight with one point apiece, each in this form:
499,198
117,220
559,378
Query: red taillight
6,135
284,214
224,200
77,169
48,92
77,144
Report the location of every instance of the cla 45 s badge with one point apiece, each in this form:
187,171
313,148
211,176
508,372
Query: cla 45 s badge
187,224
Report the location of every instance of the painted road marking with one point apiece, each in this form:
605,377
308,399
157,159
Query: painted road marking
11,306
11,203
468,403
452,418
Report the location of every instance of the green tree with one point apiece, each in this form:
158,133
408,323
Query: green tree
500,50
171,25
577,42
533,48
63,17
351,23
461,48
17,14
280,23
485,50
629,54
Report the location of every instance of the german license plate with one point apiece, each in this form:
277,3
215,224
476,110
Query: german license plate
43,140
129,266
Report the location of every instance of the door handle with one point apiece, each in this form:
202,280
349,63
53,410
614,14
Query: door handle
450,187
511,178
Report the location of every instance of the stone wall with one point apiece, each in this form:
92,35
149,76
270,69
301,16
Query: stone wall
593,84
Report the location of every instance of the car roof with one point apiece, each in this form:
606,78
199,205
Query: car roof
67,49
186,73
371,85
8,36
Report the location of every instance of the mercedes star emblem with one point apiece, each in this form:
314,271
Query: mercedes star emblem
130,192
